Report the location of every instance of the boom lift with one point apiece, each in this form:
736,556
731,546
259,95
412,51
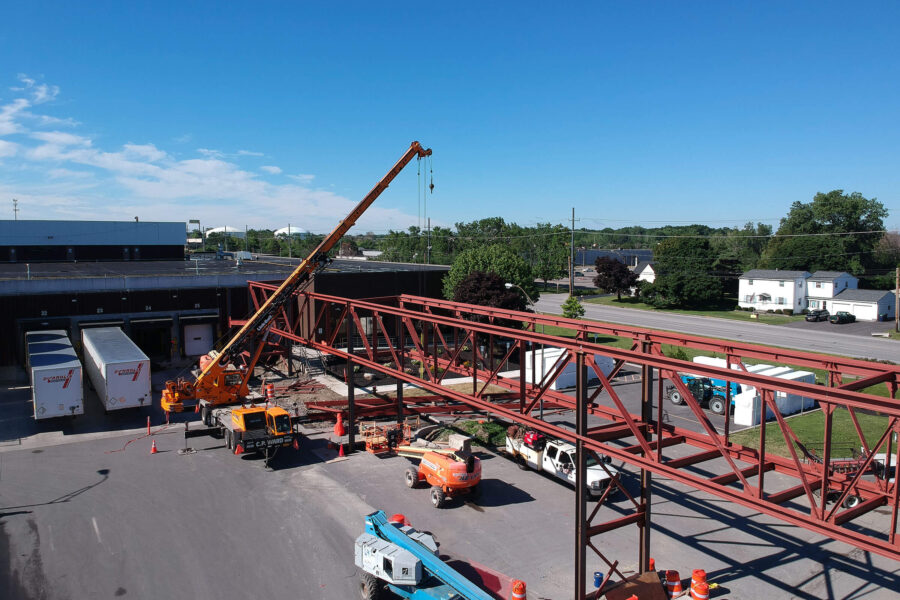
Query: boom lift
224,377
405,561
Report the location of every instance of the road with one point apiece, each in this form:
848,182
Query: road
814,338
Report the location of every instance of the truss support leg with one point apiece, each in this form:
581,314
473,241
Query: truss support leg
351,393
399,400
581,526
646,477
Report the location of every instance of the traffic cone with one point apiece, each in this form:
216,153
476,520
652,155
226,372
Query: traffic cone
341,450
652,565
673,583
518,590
339,426
153,449
239,449
700,591
197,407
296,444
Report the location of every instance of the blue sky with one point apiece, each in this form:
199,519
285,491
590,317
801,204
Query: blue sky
269,113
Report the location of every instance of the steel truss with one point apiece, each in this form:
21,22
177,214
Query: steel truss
441,338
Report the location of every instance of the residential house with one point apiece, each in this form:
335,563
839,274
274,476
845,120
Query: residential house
822,286
644,271
765,290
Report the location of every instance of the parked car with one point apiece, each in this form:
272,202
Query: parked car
819,314
843,317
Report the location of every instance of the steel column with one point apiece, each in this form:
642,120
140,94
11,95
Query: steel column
351,392
646,476
581,525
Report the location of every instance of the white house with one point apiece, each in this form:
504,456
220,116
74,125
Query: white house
867,305
765,290
822,286
644,271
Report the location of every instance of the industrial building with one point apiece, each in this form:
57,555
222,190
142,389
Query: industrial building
70,241
172,309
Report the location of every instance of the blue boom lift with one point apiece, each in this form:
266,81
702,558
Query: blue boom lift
405,561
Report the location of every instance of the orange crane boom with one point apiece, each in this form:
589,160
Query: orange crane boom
219,381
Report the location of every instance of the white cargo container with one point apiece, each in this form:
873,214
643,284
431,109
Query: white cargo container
803,402
55,374
545,362
118,369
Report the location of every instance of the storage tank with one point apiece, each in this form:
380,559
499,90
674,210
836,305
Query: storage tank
55,374
118,369
546,359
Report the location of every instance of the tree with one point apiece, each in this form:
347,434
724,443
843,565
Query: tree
683,275
835,234
572,308
613,276
489,289
547,250
497,259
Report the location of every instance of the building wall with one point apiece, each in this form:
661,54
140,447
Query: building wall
784,294
866,311
830,289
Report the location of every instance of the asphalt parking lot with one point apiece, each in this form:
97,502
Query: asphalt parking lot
101,517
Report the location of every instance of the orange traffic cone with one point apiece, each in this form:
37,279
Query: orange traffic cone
700,591
296,444
239,449
699,587
518,590
153,449
652,565
673,583
339,426
197,407
340,449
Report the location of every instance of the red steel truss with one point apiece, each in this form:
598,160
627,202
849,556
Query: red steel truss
814,489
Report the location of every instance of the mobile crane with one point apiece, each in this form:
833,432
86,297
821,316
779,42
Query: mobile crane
224,377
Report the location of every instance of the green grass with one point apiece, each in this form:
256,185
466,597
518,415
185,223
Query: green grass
810,429
607,340
722,312
486,434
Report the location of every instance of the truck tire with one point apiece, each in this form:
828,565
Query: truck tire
204,416
229,441
520,460
412,477
717,405
851,501
675,398
370,587
437,497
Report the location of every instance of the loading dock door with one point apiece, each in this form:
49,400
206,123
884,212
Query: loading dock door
198,339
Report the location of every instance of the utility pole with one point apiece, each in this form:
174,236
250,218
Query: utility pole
896,299
15,209
572,258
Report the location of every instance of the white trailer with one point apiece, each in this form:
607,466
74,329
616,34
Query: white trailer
546,361
55,374
118,369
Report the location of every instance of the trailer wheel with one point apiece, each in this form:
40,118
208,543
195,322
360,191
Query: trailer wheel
851,501
369,587
475,491
229,443
412,477
520,460
717,405
675,398
437,497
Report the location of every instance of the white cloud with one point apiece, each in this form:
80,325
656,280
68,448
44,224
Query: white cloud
145,180
8,148
68,174
60,138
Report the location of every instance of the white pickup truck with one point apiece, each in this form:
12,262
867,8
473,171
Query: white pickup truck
557,458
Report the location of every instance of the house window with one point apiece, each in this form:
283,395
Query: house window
814,304
749,282
781,284
781,301
818,284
